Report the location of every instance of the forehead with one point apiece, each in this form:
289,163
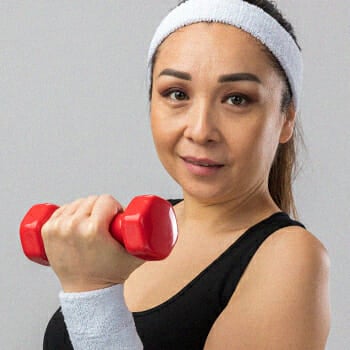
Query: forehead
203,45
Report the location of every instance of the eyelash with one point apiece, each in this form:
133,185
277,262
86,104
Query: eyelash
246,99
169,92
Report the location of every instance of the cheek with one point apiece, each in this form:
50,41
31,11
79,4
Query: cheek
267,144
166,127
256,145
162,133
156,123
158,135
165,143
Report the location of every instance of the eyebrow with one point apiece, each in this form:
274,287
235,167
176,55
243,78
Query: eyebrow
175,73
222,79
239,77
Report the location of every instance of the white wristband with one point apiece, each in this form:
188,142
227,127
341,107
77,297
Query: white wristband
99,320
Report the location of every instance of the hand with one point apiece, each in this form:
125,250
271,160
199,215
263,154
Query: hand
81,250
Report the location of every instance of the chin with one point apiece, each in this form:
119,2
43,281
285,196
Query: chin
207,194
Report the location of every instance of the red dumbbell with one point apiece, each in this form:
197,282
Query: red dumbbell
147,229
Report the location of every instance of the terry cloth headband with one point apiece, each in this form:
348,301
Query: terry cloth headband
243,15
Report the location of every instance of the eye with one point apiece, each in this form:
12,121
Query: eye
176,95
237,100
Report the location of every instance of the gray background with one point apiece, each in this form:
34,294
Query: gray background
74,122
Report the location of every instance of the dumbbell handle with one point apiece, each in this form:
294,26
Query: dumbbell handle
147,229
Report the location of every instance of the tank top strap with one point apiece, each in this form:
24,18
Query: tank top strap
237,257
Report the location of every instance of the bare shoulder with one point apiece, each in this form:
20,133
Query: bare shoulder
291,253
293,244
282,298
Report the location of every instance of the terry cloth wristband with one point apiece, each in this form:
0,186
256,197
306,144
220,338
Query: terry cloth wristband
251,19
99,320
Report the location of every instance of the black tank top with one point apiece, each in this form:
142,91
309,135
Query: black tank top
184,321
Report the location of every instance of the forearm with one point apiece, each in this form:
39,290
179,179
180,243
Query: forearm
99,320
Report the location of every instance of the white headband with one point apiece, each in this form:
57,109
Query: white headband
243,15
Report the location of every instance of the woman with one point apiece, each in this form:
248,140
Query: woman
225,84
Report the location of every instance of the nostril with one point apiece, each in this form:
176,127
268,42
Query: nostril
202,135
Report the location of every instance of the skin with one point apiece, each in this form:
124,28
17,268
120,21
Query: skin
238,125
285,305
198,118
80,249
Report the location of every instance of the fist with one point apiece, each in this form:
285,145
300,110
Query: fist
80,249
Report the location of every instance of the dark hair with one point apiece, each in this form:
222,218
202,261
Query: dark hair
284,167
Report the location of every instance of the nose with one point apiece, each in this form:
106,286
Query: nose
201,126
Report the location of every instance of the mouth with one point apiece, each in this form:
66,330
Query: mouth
202,162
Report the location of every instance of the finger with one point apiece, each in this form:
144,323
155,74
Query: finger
86,206
104,210
59,211
71,208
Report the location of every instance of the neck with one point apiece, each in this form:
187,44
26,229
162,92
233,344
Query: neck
228,215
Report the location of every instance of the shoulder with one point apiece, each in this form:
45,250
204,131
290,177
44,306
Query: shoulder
293,243
292,252
292,255
291,262
282,297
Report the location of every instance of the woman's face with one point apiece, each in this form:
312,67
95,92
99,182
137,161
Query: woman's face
216,111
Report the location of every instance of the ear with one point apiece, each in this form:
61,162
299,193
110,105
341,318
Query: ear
288,124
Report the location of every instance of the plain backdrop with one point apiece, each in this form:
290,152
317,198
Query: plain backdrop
74,121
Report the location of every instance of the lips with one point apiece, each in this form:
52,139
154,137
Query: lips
203,162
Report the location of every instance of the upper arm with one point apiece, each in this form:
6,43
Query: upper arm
282,300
